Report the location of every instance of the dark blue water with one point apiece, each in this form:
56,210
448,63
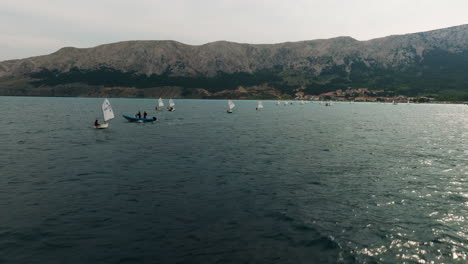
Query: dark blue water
351,183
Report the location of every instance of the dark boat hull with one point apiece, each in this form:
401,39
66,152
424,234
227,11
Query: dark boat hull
136,119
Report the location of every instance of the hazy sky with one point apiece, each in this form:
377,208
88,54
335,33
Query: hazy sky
37,27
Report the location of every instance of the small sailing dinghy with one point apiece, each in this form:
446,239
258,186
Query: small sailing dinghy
107,113
278,103
231,106
259,105
171,108
160,104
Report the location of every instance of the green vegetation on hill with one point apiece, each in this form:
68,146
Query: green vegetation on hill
438,73
113,78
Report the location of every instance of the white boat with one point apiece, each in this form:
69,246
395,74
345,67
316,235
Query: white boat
160,104
278,103
171,108
259,105
395,103
302,102
107,113
231,106
286,103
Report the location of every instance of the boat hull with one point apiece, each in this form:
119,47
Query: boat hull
102,126
136,119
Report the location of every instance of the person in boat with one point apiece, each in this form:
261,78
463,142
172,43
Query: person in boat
154,118
96,123
139,114
144,114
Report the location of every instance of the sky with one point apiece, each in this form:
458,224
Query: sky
38,27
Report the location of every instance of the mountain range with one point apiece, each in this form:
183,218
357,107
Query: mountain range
432,63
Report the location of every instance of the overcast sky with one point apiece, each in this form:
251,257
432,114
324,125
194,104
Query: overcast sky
37,27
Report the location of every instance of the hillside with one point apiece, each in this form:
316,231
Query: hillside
428,63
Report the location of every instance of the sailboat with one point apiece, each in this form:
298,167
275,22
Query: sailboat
278,103
259,105
107,113
160,104
231,105
302,102
286,103
171,108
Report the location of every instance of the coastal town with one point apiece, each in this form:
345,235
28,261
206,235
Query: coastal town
363,95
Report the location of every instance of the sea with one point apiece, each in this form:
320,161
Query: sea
348,183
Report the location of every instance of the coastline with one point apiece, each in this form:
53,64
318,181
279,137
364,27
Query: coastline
239,99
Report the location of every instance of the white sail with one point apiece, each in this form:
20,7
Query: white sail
107,111
160,103
171,103
278,103
286,103
259,105
231,105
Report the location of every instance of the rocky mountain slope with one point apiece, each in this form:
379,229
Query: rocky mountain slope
433,62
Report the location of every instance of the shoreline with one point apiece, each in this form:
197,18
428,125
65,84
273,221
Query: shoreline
237,99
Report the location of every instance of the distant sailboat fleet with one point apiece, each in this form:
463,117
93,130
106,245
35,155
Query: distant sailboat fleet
108,113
